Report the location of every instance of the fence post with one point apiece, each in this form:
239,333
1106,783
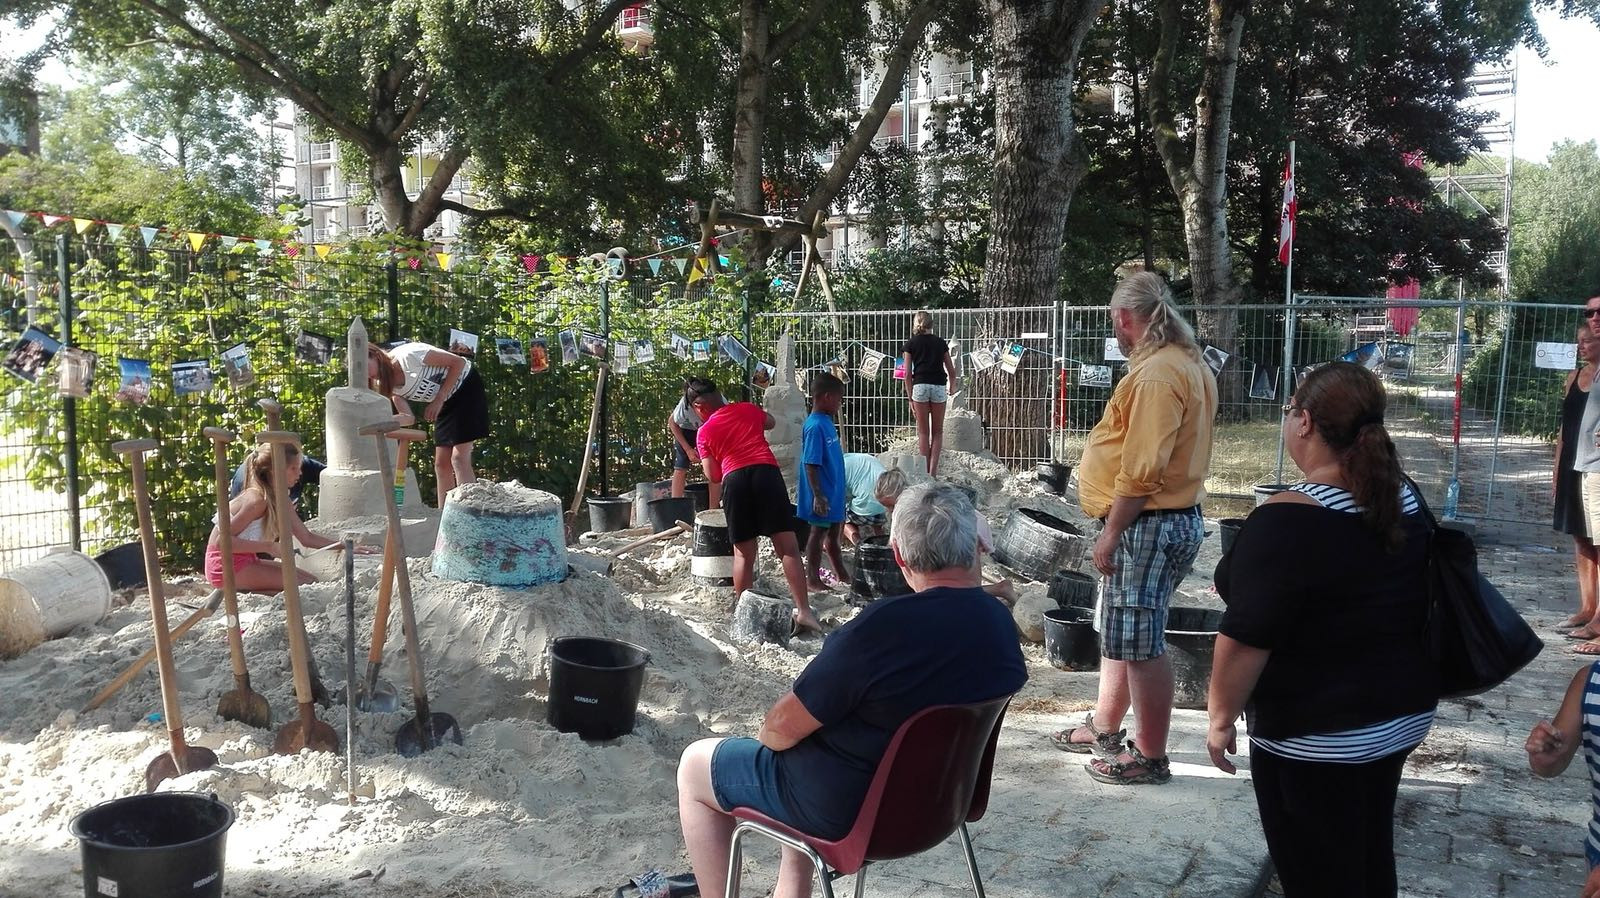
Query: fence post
750,348
604,436
392,308
69,405
1499,410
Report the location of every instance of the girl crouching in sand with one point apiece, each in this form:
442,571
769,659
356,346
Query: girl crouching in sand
253,521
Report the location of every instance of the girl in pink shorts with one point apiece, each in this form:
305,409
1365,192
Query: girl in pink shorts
253,520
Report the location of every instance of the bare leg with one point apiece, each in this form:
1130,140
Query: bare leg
852,534
716,494
266,577
1114,701
1150,684
794,571
744,565
1588,579
835,557
794,876
814,541
444,473
679,478
461,463
707,829
919,414
935,436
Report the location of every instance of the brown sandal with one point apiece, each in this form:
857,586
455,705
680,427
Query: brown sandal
1156,770
1105,745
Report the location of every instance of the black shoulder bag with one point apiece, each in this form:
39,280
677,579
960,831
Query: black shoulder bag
1477,640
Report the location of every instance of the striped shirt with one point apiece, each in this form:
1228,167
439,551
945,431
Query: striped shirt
1591,757
1386,737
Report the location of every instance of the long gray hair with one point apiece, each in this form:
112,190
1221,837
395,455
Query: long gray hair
1147,296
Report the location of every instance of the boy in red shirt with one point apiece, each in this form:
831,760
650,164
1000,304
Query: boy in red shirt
733,449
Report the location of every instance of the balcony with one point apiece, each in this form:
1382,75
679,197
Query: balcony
320,152
323,235
321,191
635,28
360,230
895,140
955,84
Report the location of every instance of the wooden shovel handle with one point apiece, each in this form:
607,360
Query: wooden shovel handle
170,706
230,595
380,616
299,651
149,655
273,410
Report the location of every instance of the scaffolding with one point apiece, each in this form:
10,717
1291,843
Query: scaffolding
1483,182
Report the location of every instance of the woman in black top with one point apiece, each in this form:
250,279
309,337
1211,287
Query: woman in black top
1321,645
930,379
1567,490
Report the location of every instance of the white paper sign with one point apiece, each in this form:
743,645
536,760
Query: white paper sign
1560,356
1113,351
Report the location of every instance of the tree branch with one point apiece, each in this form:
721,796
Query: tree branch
592,36
429,200
791,34
501,212
411,113
1163,118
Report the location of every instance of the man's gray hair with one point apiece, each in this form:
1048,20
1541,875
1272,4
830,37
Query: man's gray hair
935,528
1147,296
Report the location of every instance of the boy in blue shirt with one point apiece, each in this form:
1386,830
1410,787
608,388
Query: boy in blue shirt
820,496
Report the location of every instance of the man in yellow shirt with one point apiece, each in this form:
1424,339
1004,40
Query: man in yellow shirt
1143,475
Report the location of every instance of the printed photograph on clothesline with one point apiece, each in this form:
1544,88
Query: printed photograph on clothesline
1301,375
463,343
1094,376
1215,359
680,345
733,349
312,347
1264,385
1013,358
75,372
509,351
763,375
619,357
644,352
592,344
190,377
236,365
1113,351
900,369
33,350
538,356
135,386
701,350
1366,355
569,346
982,360
837,369
956,356
871,362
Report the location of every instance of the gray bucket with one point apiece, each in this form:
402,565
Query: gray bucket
1191,638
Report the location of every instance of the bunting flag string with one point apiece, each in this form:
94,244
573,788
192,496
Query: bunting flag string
322,250
82,224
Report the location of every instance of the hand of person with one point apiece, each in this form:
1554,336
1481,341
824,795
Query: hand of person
694,457
1105,549
819,507
1221,741
431,413
1591,885
1544,743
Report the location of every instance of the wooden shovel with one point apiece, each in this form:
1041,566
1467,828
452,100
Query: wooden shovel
679,528
307,731
240,703
374,693
180,758
143,661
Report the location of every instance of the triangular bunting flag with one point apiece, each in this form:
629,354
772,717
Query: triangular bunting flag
444,260
614,265
114,231
15,217
723,261
655,266
413,263
291,249
82,224
530,262
149,235
51,221
699,270
228,242
196,240
263,245
681,263
322,249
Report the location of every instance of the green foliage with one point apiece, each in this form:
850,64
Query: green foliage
1556,219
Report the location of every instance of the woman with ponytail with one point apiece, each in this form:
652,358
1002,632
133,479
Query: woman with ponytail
1321,645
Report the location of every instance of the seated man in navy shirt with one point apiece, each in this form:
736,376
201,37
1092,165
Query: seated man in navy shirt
947,643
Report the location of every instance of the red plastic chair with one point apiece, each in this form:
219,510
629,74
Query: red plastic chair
932,781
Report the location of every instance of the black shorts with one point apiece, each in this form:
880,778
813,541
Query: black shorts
680,461
464,417
757,503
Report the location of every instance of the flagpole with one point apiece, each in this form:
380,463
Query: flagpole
1288,318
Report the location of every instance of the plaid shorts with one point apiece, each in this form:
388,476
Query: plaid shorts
1153,556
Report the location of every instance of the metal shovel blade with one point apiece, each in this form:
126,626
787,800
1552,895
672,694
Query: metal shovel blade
164,767
381,697
247,707
408,742
306,731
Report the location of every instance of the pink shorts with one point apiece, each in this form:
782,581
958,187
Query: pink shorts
241,560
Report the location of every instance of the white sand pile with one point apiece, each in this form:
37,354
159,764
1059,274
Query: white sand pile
510,497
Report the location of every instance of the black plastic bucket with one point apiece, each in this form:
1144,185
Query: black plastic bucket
594,686
1070,589
124,565
608,513
165,845
877,574
711,561
1070,642
1054,476
700,493
1228,529
666,513
1191,642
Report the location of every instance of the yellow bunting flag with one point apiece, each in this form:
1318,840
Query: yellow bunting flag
444,260
322,249
196,240
83,224
698,271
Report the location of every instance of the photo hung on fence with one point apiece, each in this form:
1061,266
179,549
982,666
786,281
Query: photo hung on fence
837,369
32,352
538,355
190,377
135,386
1366,355
871,362
1013,358
312,347
592,344
1556,356
75,372
733,349
509,351
1265,383
680,345
982,359
1215,359
900,369
1113,351
763,375
569,347
619,357
236,366
463,343
701,350
1094,376
644,352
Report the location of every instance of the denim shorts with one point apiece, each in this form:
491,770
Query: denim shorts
1152,557
929,393
680,459
744,774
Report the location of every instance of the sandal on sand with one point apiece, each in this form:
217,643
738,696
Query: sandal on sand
1153,771
1105,745
656,884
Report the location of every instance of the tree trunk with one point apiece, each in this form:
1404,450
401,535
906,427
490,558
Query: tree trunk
1037,167
750,106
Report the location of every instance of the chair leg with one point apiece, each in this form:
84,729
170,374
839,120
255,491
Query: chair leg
861,881
735,864
735,858
972,860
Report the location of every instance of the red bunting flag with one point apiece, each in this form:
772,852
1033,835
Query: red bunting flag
531,263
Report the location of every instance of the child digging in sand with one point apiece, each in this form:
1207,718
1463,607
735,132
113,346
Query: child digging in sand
820,496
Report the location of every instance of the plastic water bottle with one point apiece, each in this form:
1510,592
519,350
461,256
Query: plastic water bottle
1452,498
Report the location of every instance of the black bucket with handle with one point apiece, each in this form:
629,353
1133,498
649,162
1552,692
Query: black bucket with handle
608,513
666,513
877,574
1070,642
700,493
594,686
163,845
1070,589
1191,638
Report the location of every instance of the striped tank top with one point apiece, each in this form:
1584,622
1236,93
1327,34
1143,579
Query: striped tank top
1591,757
1376,740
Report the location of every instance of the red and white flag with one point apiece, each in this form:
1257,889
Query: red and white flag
1286,215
